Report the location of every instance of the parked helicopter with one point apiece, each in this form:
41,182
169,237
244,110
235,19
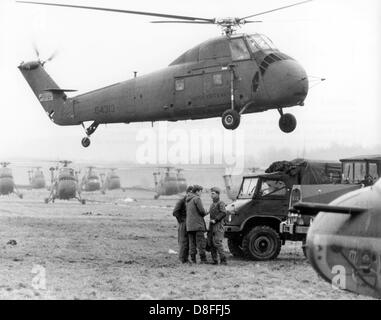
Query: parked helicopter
7,184
91,181
223,77
344,240
36,178
170,183
111,181
64,184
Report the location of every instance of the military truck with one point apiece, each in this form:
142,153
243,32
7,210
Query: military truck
254,220
356,172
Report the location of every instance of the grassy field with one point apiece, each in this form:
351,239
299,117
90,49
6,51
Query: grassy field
115,248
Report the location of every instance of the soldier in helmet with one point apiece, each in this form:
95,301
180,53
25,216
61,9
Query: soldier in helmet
217,213
179,212
196,226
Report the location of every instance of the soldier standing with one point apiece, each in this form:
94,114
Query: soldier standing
179,212
195,224
217,213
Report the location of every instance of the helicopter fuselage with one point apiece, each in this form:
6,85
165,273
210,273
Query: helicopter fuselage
112,183
6,185
345,249
244,72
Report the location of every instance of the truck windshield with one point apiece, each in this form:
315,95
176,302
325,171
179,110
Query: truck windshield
248,188
272,188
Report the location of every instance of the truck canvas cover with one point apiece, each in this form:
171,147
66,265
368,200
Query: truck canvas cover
309,172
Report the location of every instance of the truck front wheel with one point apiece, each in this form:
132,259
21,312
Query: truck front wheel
261,243
235,247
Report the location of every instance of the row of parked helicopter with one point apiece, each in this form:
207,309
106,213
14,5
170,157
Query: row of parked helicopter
65,183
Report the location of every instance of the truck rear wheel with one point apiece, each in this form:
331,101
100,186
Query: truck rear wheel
235,247
261,243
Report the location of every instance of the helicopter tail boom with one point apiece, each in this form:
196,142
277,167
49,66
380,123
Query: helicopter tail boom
51,97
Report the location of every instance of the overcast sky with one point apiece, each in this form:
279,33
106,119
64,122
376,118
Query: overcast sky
335,39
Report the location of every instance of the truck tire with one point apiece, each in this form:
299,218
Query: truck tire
235,247
261,243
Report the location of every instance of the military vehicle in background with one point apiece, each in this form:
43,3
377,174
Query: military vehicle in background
343,243
36,178
170,182
362,169
253,224
110,180
64,184
7,184
90,181
182,182
357,171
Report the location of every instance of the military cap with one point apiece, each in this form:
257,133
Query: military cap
216,190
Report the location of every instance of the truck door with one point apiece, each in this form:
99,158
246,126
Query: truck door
217,88
271,198
189,95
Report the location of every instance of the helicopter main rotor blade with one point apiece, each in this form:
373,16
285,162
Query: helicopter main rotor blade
276,9
180,21
251,21
154,14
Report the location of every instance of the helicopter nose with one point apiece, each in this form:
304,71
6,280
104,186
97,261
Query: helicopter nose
286,83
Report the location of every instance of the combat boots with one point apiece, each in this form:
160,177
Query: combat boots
193,258
223,261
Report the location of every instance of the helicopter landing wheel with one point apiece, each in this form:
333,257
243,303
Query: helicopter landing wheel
85,142
287,122
231,119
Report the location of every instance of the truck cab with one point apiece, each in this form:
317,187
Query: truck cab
258,221
361,169
252,226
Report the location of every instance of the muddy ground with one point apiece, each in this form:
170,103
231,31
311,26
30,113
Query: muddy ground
111,248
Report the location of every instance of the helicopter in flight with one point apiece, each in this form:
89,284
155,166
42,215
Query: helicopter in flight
36,178
64,184
344,240
170,182
7,184
91,180
226,77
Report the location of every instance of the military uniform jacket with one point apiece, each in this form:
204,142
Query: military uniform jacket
195,214
217,211
180,210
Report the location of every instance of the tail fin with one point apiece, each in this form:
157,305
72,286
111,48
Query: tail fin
51,97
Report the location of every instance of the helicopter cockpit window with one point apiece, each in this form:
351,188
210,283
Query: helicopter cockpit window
259,42
179,84
239,50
